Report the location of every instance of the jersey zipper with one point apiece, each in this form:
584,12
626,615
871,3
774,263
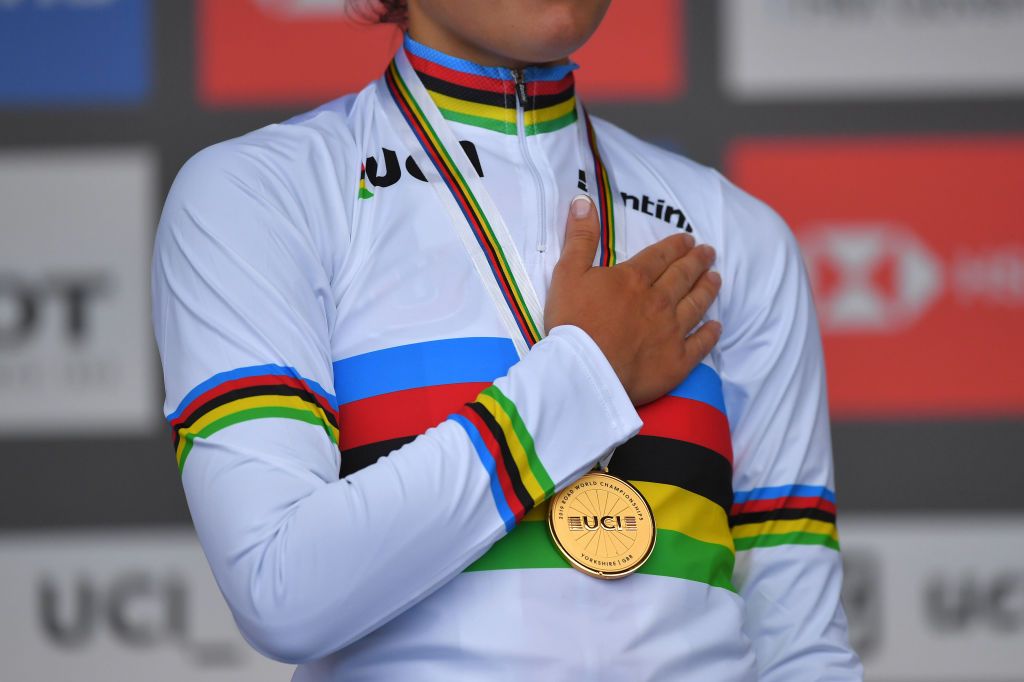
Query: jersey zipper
520,86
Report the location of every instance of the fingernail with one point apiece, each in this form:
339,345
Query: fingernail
714,277
581,206
688,238
709,251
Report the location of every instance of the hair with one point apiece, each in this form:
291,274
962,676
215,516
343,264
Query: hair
377,11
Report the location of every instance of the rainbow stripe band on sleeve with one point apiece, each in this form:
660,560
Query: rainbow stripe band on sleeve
505,447
259,392
784,515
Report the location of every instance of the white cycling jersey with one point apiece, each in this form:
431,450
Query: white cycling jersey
367,457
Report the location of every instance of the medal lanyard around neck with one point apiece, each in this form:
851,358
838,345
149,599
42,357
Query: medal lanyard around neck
474,214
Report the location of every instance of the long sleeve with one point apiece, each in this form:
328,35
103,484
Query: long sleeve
788,567
243,306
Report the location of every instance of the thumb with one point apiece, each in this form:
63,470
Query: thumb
582,233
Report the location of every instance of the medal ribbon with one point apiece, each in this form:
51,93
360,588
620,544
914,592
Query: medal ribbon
467,202
606,251
502,262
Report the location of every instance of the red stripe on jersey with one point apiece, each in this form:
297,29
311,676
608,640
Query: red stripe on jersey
469,80
752,506
687,420
549,87
499,462
402,413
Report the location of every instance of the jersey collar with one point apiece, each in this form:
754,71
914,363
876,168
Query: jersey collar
486,96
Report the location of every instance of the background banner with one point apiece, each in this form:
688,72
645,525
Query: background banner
889,134
76,350
819,49
74,52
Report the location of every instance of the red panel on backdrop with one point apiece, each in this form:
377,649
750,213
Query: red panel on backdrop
636,54
275,52
916,254
254,52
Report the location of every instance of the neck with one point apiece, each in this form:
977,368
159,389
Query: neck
436,37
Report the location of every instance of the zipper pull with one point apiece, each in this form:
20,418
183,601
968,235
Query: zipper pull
517,75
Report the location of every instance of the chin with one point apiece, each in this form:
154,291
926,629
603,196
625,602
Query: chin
512,31
539,31
558,30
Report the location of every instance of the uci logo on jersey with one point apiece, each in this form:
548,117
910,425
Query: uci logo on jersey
388,170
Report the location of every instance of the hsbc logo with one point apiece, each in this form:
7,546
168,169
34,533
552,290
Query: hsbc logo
882,278
915,249
870,277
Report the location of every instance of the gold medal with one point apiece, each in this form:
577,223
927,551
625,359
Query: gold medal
602,525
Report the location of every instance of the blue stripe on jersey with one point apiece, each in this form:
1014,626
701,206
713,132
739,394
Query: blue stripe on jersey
488,463
741,496
430,363
466,360
531,73
704,385
244,372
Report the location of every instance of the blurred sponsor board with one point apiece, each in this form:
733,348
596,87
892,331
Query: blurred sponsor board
915,248
74,52
929,598
76,350
118,606
885,48
288,52
935,598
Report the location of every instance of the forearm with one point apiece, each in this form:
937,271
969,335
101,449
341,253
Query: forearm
798,634
309,564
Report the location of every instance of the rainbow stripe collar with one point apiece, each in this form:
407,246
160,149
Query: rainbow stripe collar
485,96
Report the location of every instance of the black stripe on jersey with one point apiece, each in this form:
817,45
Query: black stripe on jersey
506,454
495,99
249,392
675,462
782,514
534,102
354,459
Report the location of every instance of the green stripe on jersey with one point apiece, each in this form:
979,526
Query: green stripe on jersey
675,556
797,538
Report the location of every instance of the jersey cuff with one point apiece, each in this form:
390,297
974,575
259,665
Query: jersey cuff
622,415
582,411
